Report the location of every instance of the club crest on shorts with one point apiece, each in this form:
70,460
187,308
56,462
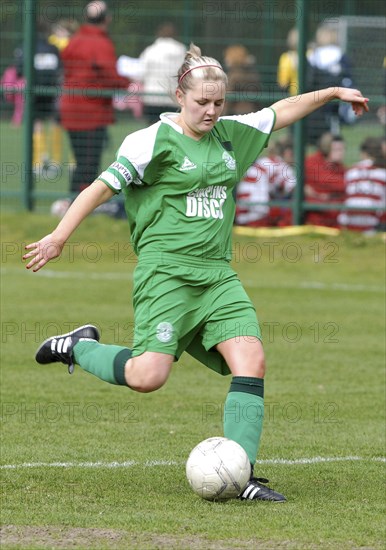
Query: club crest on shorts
165,332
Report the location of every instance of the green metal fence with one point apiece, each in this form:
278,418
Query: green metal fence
262,26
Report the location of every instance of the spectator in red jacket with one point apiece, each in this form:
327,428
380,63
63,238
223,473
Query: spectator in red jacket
89,62
324,179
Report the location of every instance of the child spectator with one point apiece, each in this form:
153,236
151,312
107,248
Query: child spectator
269,178
365,184
324,179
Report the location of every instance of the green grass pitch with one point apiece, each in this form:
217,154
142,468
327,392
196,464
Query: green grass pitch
88,465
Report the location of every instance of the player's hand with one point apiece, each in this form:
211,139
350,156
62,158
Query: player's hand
355,97
42,252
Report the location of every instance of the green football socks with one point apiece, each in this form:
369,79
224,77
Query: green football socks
107,362
244,413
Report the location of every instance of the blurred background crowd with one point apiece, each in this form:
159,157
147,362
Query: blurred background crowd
101,71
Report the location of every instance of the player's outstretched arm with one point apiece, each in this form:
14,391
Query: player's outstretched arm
292,109
51,246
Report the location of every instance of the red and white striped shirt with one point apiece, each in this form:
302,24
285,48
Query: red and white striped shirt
365,187
268,178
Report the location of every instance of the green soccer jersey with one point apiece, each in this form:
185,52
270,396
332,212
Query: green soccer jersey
178,191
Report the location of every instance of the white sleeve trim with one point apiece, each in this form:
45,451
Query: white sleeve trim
263,120
110,180
138,148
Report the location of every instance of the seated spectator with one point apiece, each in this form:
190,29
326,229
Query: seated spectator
269,178
366,187
282,169
324,179
243,81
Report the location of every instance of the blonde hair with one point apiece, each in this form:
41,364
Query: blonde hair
206,68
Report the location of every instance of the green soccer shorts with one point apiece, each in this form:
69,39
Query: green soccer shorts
183,303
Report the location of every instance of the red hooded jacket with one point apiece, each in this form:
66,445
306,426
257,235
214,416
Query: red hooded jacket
89,63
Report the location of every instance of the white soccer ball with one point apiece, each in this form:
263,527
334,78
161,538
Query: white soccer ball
218,469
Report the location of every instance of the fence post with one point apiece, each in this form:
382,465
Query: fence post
29,24
302,8
187,23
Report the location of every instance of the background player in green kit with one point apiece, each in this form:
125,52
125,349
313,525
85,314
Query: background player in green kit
177,178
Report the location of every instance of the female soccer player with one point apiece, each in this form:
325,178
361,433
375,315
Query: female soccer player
177,178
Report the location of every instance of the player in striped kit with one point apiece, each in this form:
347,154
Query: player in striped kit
178,177
270,177
365,185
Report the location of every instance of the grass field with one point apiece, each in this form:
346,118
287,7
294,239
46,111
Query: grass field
88,465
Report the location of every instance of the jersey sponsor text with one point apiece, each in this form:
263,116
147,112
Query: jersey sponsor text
206,203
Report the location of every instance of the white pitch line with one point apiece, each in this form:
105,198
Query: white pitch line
125,464
128,276
152,463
